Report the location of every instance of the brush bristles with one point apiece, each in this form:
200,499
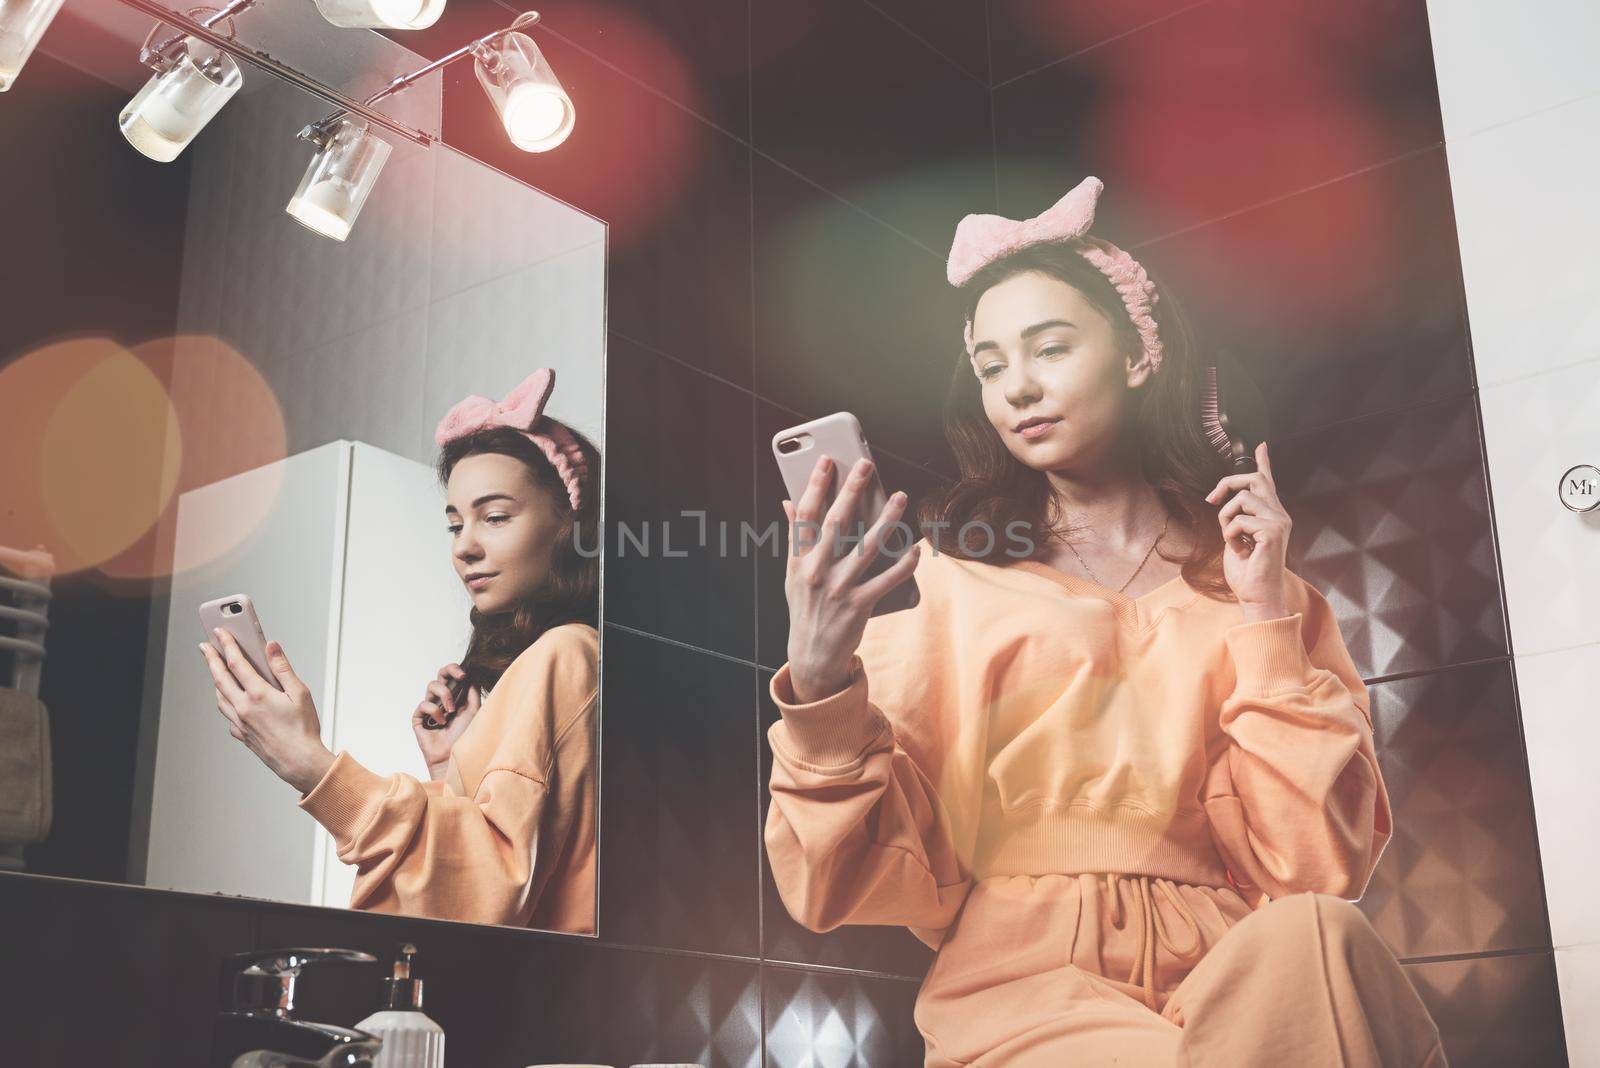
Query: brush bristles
1210,420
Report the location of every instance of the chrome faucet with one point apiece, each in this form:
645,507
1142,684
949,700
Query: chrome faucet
257,1029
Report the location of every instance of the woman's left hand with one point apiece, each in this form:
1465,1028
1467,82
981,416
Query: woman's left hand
1258,575
279,726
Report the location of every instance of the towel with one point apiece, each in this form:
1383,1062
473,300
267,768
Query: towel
24,768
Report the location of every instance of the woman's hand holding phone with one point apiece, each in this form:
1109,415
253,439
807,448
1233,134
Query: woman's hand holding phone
830,595
278,725
442,717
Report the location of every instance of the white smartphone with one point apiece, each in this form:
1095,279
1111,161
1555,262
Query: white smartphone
839,436
236,614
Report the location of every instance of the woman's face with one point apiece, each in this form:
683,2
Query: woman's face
1042,350
503,528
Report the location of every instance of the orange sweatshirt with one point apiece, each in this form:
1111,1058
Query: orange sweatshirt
1023,721
508,836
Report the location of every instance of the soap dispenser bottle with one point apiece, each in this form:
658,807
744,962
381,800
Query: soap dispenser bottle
410,1039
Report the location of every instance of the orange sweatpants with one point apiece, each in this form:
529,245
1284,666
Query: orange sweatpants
1095,969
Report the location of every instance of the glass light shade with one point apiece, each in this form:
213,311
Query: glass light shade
22,23
382,14
535,110
337,182
175,105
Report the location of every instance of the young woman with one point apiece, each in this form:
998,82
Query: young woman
504,830
1118,771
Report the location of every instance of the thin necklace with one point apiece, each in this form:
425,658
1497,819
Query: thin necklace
1136,570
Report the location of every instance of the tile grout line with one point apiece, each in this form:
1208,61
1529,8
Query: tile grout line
1090,48
755,585
914,35
919,465
1376,165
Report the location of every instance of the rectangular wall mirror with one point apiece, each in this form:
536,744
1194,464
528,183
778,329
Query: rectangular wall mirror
205,400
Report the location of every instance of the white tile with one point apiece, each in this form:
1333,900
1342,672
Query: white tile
486,339
205,232
1525,216
1562,732
1497,61
286,289
364,387
1578,973
1535,429
487,224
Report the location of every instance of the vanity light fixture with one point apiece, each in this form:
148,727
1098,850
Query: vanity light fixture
382,14
341,175
193,80
535,110
22,23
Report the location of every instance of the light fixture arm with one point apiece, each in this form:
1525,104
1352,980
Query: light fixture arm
161,56
318,132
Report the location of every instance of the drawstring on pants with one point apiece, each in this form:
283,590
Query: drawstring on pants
1150,922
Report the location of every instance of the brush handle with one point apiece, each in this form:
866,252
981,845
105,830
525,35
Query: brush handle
1246,465
1216,431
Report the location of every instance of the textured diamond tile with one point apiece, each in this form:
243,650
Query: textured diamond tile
1461,874
678,837
818,1020
1391,523
1494,1011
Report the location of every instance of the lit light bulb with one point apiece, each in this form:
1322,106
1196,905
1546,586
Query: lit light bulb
382,14
22,23
339,179
536,112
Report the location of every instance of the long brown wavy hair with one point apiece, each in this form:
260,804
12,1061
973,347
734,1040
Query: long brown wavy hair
997,489
570,591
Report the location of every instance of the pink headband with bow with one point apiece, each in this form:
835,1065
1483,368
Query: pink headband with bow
982,239
522,411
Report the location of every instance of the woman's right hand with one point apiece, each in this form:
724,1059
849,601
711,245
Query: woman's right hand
438,706
830,596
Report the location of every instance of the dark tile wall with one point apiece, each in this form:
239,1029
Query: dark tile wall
782,181
53,288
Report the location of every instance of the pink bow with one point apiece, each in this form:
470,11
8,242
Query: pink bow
522,410
981,239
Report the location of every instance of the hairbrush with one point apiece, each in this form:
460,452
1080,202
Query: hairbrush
1233,417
